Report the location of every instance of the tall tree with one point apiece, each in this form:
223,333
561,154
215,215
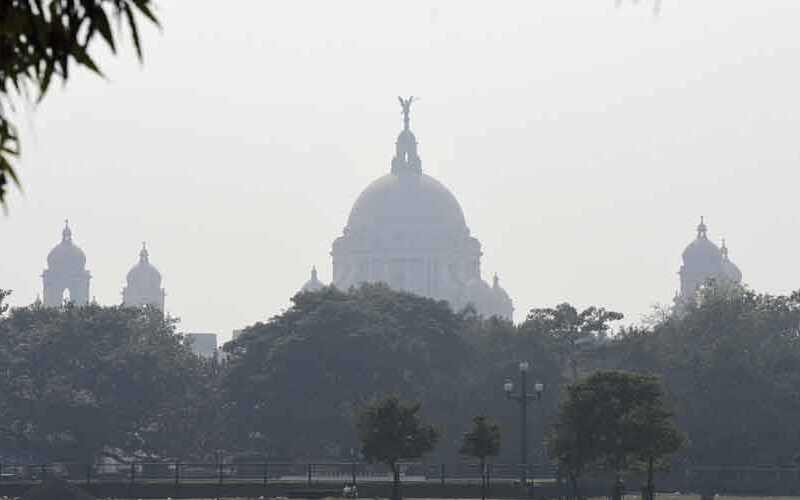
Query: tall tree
481,441
47,38
570,328
390,431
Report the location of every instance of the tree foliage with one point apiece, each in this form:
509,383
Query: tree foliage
40,39
390,431
481,441
570,328
730,364
80,382
313,366
613,419
729,367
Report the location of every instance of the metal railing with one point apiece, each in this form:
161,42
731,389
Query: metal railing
266,473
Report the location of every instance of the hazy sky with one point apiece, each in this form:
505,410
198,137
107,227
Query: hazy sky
583,142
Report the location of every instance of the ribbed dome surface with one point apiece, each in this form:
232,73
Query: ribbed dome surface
407,201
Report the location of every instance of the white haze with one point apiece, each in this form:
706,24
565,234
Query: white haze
583,142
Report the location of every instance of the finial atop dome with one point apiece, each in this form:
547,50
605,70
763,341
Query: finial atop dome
406,105
144,256
66,234
495,281
701,228
406,158
313,273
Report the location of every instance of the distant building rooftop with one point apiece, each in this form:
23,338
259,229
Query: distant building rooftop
203,344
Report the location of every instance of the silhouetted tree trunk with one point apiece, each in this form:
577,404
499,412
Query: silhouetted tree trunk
396,481
483,478
573,478
650,491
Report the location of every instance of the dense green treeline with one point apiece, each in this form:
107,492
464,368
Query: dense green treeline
81,382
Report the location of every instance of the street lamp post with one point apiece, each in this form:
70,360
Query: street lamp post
523,398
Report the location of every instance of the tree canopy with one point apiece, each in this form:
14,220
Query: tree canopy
613,419
481,441
569,328
730,365
390,431
292,385
80,382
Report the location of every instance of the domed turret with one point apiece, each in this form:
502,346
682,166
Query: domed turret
66,254
703,261
313,284
66,277
504,306
143,284
730,269
701,253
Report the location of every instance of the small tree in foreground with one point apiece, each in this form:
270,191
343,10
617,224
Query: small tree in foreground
616,419
482,440
653,435
390,431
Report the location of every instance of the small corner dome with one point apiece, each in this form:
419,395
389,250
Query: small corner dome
498,290
313,284
731,270
66,255
144,271
407,201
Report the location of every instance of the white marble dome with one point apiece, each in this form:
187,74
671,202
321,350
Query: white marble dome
143,284
405,201
701,252
313,284
406,229
66,255
144,273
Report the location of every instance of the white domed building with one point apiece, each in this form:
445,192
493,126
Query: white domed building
313,284
66,278
704,261
143,284
406,229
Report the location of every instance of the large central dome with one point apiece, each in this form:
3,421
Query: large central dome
402,202
407,230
